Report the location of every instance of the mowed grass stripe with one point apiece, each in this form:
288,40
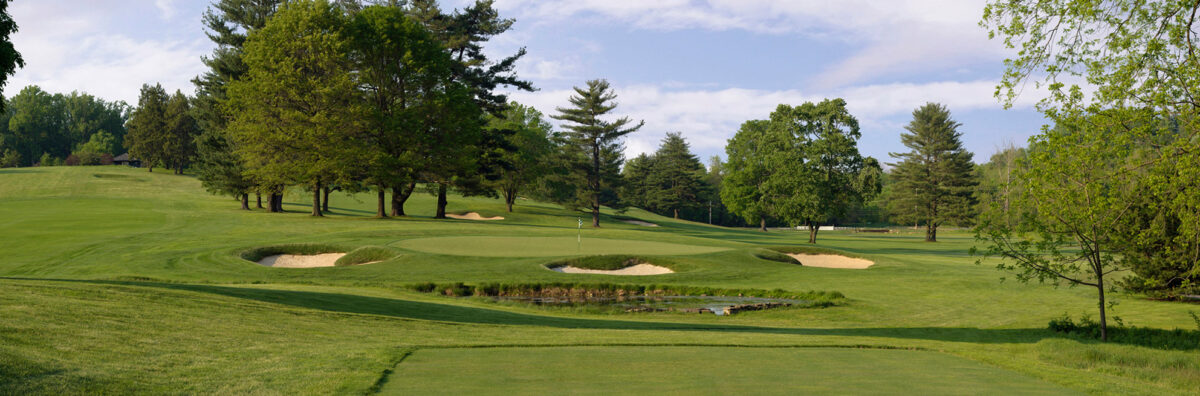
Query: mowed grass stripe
702,370
503,246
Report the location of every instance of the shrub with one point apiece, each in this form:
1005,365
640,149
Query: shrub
47,160
367,254
72,160
10,159
260,253
106,159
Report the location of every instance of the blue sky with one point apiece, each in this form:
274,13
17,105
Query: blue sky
700,67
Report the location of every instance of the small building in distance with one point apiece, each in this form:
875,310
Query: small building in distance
124,159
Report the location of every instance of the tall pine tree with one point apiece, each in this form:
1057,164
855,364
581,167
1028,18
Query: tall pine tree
149,127
935,181
595,146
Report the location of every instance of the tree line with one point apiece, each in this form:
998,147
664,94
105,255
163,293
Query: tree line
40,128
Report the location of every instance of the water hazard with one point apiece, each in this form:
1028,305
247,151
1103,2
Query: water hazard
719,305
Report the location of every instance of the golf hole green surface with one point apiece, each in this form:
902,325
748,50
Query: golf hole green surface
488,246
702,370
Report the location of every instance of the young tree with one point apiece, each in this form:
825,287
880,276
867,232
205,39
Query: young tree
149,127
1078,190
676,180
746,173
297,111
996,181
936,180
528,134
598,144
10,59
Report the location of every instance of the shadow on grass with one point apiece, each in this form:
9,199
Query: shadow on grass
349,303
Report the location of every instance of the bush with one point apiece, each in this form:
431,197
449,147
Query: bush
11,159
306,249
771,255
607,262
87,158
47,160
367,254
106,159
72,160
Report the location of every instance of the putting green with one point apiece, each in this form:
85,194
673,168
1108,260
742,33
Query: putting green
487,246
702,370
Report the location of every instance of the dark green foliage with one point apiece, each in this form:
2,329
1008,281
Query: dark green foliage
669,181
935,182
181,137
305,249
367,254
10,59
459,289
150,126
774,255
593,148
527,136
609,262
1088,329
745,174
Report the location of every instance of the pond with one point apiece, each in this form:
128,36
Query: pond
718,305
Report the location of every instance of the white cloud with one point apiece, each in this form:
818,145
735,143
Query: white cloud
889,37
167,7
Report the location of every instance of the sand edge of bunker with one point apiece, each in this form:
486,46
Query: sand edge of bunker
820,260
621,265
317,256
473,216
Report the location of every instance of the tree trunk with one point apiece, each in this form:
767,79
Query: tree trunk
275,202
596,185
400,196
325,199
812,232
762,224
316,208
441,202
510,197
1103,317
258,197
381,207
676,214
931,232
245,201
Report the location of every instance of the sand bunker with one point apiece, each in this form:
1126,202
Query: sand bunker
301,261
641,223
636,270
472,216
831,261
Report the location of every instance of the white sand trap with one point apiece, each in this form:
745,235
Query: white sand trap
636,270
472,216
301,261
831,261
641,223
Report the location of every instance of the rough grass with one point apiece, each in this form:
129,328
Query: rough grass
773,255
813,250
367,254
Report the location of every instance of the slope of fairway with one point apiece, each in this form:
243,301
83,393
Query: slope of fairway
701,370
500,246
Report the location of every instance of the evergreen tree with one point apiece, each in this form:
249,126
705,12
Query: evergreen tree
595,146
636,180
935,181
227,24
181,138
676,180
10,59
298,110
149,127
529,137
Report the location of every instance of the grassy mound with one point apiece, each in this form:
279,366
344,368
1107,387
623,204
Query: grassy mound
367,254
772,255
812,250
609,262
304,249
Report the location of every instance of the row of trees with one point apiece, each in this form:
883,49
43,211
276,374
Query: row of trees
38,127
162,129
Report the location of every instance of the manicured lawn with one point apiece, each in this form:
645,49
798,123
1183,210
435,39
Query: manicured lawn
115,280
702,370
